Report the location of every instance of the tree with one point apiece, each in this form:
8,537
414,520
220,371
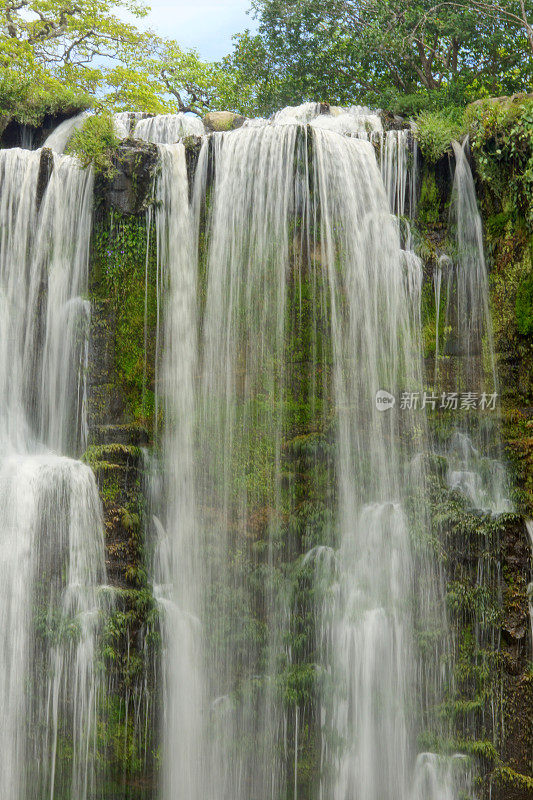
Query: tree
367,50
65,37
515,14
84,45
164,70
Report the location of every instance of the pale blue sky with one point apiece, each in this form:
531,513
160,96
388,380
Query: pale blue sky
206,25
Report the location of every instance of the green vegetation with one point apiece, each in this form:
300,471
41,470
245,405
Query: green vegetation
502,143
398,54
524,306
435,130
28,101
95,143
429,203
404,56
120,252
58,54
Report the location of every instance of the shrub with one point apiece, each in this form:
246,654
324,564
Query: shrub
94,144
435,131
501,132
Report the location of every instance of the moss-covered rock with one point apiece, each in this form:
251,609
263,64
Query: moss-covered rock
131,189
222,121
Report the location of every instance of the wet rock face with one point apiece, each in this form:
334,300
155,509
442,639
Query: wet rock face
46,166
515,626
4,121
517,685
222,121
130,190
14,133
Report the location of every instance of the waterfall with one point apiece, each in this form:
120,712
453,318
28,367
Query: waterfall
59,138
399,168
44,324
242,402
168,128
366,629
179,553
468,300
51,536
474,452
289,551
290,241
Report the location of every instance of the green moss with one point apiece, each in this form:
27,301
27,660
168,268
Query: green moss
429,318
524,306
109,478
429,203
111,454
510,286
518,432
128,300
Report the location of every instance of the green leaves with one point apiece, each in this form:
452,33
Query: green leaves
380,51
87,47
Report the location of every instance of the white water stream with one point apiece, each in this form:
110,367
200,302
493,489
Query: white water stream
51,533
224,717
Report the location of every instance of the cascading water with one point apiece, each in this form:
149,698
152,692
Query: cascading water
242,413
59,138
292,227
366,627
399,168
51,539
125,122
167,128
179,553
221,744
474,452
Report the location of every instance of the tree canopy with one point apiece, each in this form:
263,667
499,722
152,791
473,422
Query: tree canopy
377,50
46,45
403,54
